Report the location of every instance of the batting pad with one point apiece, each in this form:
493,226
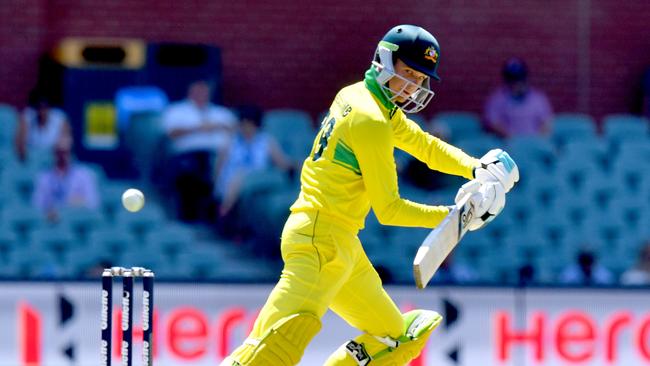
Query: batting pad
283,345
376,351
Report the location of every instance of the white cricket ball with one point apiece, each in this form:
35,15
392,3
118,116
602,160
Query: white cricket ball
132,199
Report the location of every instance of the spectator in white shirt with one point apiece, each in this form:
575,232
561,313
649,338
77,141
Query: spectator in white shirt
196,124
639,274
586,271
39,128
197,129
66,184
250,151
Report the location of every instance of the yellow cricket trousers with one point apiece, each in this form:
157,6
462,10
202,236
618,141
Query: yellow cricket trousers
326,266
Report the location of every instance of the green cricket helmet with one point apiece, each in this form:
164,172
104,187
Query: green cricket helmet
419,50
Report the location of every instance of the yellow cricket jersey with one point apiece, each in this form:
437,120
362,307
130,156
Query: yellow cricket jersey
351,166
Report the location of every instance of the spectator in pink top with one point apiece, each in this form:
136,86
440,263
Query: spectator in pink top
516,108
66,184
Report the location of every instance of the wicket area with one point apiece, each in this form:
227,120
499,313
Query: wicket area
127,275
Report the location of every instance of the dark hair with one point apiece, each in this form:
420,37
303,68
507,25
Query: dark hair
38,98
514,70
586,258
251,113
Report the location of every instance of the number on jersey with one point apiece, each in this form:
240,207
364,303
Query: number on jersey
325,132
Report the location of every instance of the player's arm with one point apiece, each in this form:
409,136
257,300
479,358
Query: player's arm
496,165
373,147
437,154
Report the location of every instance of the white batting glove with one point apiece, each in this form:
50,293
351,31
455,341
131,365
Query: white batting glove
470,187
488,200
498,166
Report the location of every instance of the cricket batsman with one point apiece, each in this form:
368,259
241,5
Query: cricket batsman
351,169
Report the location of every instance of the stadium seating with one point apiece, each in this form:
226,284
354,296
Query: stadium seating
8,244
141,223
111,196
56,242
23,219
569,127
578,190
574,172
519,210
632,211
293,129
473,246
140,256
596,150
625,127
273,212
203,263
9,123
633,177
257,189
170,240
8,161
420,120
539,150
38,264
534,155
461,125
23,177
81,221
81,260
112,242
637,151
601,192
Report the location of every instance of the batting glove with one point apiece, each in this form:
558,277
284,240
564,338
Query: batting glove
498,166
488,200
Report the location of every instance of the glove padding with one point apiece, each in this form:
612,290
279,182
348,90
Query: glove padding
498,166
487,198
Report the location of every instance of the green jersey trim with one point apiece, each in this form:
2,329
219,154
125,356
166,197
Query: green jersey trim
375,89
344,156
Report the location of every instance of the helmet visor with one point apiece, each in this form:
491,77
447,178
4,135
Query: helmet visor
409,103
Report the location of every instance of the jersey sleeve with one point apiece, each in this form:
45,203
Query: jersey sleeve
437,154
373,147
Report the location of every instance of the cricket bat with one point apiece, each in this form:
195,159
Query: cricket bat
441,241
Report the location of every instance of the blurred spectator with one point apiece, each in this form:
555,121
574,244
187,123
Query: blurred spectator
645,94
586,271
40,127
639,274
66,184
197,129
96,269
451,272
250,151
526,274
516,108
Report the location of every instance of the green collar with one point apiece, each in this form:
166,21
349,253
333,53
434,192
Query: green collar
375,89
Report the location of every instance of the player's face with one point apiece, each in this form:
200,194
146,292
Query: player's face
415,77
